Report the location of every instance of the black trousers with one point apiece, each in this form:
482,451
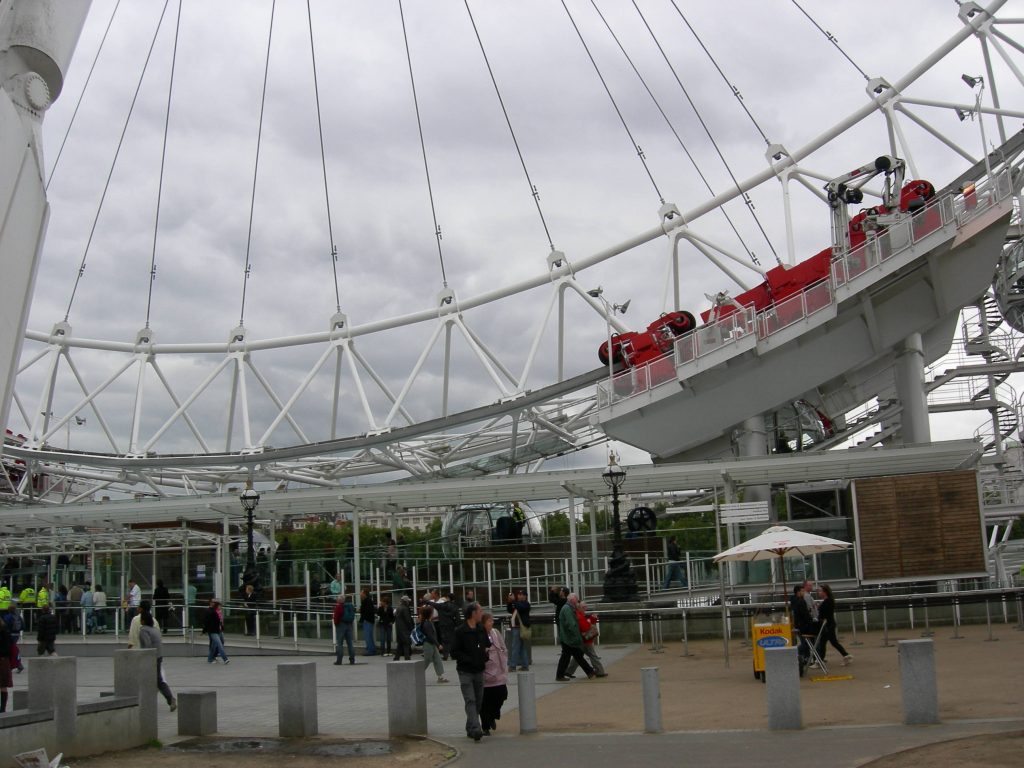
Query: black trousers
490,709
572,652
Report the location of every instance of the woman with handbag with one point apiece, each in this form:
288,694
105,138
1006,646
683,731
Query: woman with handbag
520,651
495,678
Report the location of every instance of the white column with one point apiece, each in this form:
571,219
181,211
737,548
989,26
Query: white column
356,580
574,572
909,372
44,34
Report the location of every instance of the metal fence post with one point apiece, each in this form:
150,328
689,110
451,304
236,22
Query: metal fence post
885,626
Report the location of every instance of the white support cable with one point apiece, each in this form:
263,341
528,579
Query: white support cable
937,134
92,404
710,256
993,87
265,383
711,204
414,373
535,344
689,234
243,400
360,390
962,107
89,398
480,355
140,384
174,399
1005,55
285,410
904,151
801,178
495,360
380,383
186,403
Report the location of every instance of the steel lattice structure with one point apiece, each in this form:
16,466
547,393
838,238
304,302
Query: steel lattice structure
520,418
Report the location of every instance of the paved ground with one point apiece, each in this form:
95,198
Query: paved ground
712,713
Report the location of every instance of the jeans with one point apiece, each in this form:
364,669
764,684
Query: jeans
572,652
342,635
385,639
674,573
216,647
591,654
472,685
371,648
518,651
432,656
161,684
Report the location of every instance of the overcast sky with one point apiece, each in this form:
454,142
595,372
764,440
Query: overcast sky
593,190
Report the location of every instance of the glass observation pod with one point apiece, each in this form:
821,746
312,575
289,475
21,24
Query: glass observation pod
487,524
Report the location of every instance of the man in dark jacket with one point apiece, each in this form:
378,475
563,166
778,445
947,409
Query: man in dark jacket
803,623
469,649
403,629
447,618
368,616
46,632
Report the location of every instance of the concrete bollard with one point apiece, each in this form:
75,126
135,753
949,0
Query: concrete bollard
527,702
19,699
782,678
197,713
407,699
135,675
652,700
296,699
53,684
917,682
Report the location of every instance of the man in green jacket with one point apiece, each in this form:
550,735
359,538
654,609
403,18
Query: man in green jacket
571,639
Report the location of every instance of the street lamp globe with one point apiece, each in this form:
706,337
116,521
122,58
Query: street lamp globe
614,475
250,498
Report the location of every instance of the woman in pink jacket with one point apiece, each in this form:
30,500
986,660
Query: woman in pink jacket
495,678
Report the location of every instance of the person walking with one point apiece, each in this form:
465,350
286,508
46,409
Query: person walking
344,617
571,640
403,629
99,604
674,572
213,628
469,649
75,607
589,630
368,617
827,617
27,603
134,599
149,637
431,644
46,632
447,620
495,678
161,604
136,626
385,620
804,625
518,605
249,600
12,621
6,678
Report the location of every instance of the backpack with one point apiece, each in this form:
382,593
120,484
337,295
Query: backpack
348,614
416,637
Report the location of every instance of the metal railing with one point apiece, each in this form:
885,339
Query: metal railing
952,208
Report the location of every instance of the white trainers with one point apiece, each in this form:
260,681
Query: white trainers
847,659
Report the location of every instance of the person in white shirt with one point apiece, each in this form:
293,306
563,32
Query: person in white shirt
134,598
136,626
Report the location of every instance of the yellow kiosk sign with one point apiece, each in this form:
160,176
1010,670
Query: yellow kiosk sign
768,636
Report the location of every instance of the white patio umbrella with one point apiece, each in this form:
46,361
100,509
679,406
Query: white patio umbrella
781,541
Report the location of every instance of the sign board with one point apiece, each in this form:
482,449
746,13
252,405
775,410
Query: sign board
746,512
201,571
